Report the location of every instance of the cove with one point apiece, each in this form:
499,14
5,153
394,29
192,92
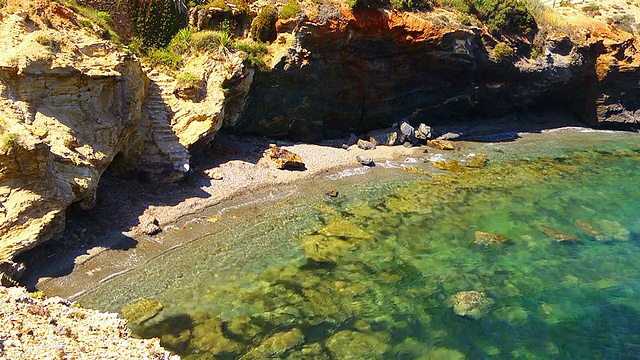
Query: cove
532,256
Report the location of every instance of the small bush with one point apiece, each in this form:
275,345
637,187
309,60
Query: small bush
180,42
8,142
290,10
464,6
263,28
255,52
411,4
502,51
48,42
163,57
212,41
591,8
188,80
507,16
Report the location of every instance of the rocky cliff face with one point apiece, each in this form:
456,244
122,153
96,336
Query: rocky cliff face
71,103
366,70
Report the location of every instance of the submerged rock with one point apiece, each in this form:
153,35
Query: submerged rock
276,345
285,159
605,230
478,160
141,310
474,304
559,236
354,345
207,336
441,144
487,238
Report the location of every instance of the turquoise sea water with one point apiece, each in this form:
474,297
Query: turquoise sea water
396,267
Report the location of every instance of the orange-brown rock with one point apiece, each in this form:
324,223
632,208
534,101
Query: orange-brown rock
284,158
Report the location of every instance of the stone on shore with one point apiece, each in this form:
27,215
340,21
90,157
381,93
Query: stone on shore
366,145
366,161
424,132
285,159
389,137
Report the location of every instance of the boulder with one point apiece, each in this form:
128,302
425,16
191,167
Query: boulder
366,161
389,137
366,145
285,159
424,132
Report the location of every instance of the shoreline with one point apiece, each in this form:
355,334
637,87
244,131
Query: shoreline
127,208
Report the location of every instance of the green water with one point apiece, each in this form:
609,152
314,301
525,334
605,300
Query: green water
391,255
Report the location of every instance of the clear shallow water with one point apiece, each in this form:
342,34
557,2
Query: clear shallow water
391,255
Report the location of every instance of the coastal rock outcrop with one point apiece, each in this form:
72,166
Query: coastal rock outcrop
382,66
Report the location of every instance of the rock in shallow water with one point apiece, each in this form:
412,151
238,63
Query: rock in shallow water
474,304
276,345
487,238
141,310
352,345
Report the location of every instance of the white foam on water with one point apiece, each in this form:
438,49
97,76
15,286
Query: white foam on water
410,160
349,172
437,158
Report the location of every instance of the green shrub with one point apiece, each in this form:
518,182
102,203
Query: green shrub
211,40
290,10
156,21
507,16
255,52
163,57
100,18
464,6
591,8
411,4
188,80
502,51
8,142
263,28
48,42
180,42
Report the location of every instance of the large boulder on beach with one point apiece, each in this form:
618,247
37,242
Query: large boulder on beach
390,137
284,158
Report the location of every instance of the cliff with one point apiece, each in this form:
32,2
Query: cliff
359,71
